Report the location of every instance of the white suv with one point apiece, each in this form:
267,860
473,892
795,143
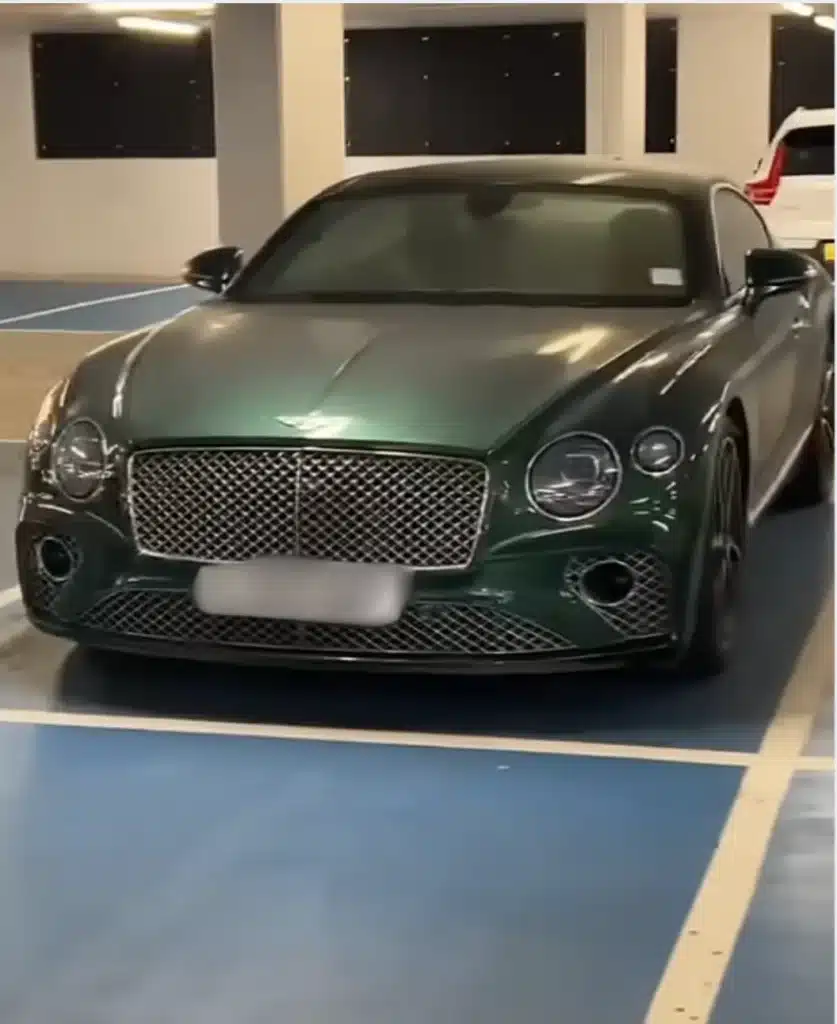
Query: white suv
794,184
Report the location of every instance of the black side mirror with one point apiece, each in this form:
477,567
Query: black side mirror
777,270
213,269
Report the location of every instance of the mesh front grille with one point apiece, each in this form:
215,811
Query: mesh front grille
646,611
234,504
424,630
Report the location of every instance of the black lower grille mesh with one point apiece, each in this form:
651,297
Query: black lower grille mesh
646,612
424,630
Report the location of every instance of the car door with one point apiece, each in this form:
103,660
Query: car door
780,331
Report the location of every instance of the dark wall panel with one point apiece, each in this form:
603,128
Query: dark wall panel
438,92
802,72
387,92
661,85
119,95
469,91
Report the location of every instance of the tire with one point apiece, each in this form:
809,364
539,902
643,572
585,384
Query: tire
712,644
812,482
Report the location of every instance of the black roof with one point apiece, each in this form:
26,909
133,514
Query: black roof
543,170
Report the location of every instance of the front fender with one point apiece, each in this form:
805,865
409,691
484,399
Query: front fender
684,385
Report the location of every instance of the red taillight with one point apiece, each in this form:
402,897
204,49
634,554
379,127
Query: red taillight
763,192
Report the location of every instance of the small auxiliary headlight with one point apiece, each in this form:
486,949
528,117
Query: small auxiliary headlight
658,451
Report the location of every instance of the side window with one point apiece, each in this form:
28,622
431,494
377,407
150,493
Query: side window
740,229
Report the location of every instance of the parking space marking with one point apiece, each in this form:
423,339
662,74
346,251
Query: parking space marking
52,330
124,297
9,596
374,737
695,972
150,860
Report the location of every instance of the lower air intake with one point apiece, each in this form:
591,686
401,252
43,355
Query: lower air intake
429,630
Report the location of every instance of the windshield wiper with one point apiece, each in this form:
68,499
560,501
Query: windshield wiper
472,296
458,297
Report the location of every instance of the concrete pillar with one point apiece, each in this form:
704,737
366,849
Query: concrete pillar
279,112
615,44
723,86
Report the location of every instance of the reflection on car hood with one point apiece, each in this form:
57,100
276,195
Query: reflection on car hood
460,377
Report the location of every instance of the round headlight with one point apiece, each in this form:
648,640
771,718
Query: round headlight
79,460
574,476
658,451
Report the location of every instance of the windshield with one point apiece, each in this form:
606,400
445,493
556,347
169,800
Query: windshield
492,243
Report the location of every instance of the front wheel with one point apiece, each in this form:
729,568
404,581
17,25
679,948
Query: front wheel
812,482
716,629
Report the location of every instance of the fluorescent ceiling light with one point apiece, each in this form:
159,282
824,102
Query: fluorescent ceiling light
161,28
825,21
125,8
803,10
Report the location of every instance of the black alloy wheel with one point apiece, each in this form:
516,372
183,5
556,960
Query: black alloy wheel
728,530
716,628
825,430
812,482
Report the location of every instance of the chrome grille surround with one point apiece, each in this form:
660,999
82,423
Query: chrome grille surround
646,612
438,629
232,504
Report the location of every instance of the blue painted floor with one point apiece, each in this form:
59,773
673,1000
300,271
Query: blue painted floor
28,305
256,881
18,298
172,877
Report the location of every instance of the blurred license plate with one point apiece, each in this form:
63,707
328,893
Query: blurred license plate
828,252
304,590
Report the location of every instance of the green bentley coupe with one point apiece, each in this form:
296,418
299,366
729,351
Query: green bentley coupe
498,415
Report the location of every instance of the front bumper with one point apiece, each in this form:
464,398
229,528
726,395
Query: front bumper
521,612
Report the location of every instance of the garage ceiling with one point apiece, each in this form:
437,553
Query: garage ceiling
76,17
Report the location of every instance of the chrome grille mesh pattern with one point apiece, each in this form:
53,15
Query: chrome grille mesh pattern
439,629
234,504
646,612
214,506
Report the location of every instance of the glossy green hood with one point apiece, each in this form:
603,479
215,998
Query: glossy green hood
459,377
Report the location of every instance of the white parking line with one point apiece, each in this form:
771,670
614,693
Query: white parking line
125,296
9,597
13,624
815,763
389,738
51,330
373,737
695,972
